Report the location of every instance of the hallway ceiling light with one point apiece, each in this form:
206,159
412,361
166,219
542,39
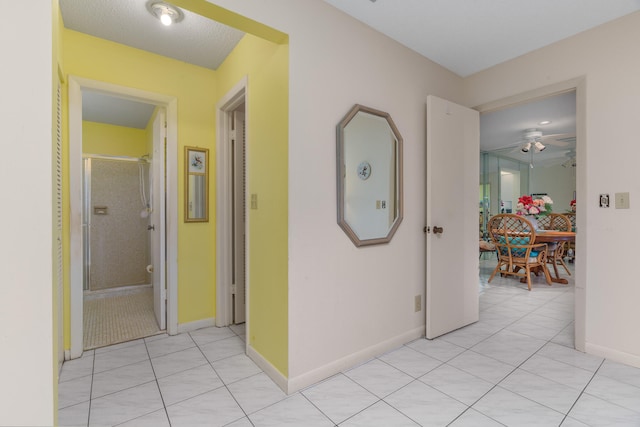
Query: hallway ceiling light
166,13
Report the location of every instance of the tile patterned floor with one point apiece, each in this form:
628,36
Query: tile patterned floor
515,367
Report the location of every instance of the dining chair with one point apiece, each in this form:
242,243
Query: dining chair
556,250
515,238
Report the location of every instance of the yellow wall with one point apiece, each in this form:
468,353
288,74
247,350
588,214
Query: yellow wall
111,140
194,87
198,89
266,66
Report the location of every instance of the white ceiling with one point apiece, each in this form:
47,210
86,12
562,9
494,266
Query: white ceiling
467,36
503,131
196,39
464,36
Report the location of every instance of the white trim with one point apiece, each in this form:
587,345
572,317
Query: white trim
308,378
578,84
170,103
195,325
171,162
614,355
231,100
268,368
75,217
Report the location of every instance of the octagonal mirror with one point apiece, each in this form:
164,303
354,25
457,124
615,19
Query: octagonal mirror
369,169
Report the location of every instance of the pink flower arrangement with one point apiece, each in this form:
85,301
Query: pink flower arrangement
527,205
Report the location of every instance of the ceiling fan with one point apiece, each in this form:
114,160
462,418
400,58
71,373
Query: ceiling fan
534,141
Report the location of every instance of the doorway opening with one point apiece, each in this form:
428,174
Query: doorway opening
117,260
231,208
145,161
514,167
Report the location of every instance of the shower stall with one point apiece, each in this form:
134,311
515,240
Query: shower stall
116,207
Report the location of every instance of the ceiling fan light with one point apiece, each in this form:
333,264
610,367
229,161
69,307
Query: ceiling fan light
526,147
539,146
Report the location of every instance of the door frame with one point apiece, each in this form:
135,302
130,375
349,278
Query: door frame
579,86
170,103
224,199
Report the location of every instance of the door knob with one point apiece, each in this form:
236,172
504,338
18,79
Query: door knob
438,230
151,227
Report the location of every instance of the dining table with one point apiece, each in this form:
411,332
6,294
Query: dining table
553,236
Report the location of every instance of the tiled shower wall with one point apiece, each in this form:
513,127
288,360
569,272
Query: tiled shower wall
119,238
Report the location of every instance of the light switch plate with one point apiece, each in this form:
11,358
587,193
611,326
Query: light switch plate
622,200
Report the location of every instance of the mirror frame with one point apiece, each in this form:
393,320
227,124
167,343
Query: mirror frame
340,174
190,171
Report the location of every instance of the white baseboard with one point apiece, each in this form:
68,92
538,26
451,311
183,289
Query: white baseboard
266,366
198,324
613,355
308,378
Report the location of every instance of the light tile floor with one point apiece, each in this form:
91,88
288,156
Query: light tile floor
515,367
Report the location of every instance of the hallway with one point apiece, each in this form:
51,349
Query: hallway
514,367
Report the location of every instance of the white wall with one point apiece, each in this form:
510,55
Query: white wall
347,302
26,291
607,59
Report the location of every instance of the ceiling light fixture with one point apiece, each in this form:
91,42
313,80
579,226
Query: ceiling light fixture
545,122
539,146
165,12
526,147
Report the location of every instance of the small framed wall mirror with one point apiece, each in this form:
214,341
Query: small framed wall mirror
196,184
369,176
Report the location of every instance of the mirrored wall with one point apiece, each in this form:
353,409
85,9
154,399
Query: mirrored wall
504,180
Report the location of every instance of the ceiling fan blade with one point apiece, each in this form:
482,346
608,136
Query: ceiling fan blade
559,140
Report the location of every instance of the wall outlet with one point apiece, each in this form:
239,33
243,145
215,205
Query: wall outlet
254,201
418,303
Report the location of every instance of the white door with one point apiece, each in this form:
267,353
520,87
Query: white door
452,174
157,220
239,216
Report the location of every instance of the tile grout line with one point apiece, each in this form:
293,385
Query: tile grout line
93,367
224,384
164,405
582,391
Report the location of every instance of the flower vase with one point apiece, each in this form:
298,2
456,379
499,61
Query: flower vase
533,220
